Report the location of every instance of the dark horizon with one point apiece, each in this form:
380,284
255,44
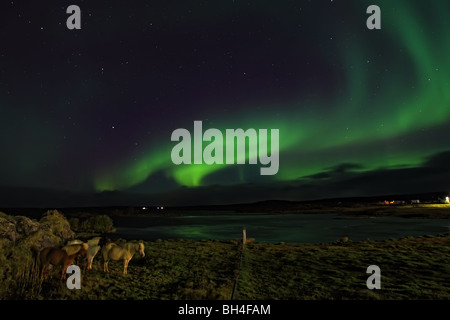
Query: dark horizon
51,199
340,182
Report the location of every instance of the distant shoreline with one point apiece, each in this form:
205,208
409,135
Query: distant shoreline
354,210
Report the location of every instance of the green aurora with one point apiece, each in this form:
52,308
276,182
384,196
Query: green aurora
380,99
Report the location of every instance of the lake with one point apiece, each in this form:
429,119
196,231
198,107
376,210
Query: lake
289,228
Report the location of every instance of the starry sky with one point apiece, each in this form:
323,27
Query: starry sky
360,112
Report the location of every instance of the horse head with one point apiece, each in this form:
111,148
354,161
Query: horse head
83,249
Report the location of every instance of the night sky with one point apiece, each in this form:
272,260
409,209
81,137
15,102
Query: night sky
90,112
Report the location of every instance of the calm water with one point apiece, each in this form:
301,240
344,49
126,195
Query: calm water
290,228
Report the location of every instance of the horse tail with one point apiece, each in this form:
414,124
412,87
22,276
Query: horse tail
103,241
35,256
34,252
106,249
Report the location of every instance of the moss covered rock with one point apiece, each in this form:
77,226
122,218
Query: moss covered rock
7,229
54,222
25,226
52,230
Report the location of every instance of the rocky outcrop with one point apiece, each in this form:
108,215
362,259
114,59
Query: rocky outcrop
52,230
54,222
25,226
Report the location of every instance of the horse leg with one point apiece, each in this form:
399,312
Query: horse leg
42,263
63,271
91,258
65,265
43,270
66,262
125,264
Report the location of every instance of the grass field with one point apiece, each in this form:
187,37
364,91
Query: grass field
411,268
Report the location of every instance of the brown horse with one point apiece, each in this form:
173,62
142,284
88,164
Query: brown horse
114,252
59,257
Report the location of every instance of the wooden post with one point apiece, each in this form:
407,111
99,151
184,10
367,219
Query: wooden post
244,238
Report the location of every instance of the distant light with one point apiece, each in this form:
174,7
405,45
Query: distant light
162,208
144,208
447,199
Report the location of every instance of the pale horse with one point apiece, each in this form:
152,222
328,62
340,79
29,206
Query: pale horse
94,246
125,252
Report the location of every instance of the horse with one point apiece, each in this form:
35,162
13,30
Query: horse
94,246
56,257
91,253
115,252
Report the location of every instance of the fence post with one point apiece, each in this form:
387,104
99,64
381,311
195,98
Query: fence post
244,241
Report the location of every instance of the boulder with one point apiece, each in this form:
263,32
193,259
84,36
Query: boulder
40,240
25,226
52,230
54,222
